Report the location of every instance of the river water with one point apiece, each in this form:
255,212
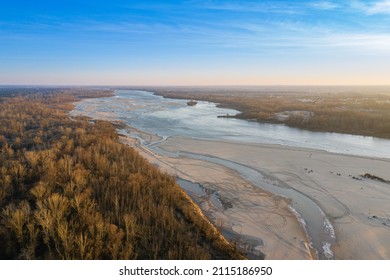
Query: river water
166,117
172,117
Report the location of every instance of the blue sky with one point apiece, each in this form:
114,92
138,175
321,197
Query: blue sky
195,42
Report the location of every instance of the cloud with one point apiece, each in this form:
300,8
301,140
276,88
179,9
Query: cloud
380,7
291,37
369,7
324,5
367,42
251,7
372,7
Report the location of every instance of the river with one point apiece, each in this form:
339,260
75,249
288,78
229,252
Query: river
172,117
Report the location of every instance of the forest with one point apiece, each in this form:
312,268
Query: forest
360,111
70,190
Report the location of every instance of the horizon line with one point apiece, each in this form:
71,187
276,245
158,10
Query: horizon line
209,85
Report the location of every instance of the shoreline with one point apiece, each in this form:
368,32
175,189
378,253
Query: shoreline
292,236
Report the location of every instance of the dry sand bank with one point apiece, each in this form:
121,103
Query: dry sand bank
357,207
259,221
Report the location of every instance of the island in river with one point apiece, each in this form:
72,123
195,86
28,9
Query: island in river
192,103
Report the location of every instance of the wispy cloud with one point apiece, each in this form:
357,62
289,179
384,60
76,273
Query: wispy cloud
380,7
372,7
252,7
360,41
324,5
290,37
248,32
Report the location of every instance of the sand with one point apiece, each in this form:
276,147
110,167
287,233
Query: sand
357,207
259,221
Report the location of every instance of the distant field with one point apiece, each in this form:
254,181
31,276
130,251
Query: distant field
361,110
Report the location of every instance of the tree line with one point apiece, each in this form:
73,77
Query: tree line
365,113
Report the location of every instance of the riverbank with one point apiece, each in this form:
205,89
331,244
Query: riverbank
257,221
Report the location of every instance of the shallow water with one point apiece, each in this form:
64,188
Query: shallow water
308,213
314,220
